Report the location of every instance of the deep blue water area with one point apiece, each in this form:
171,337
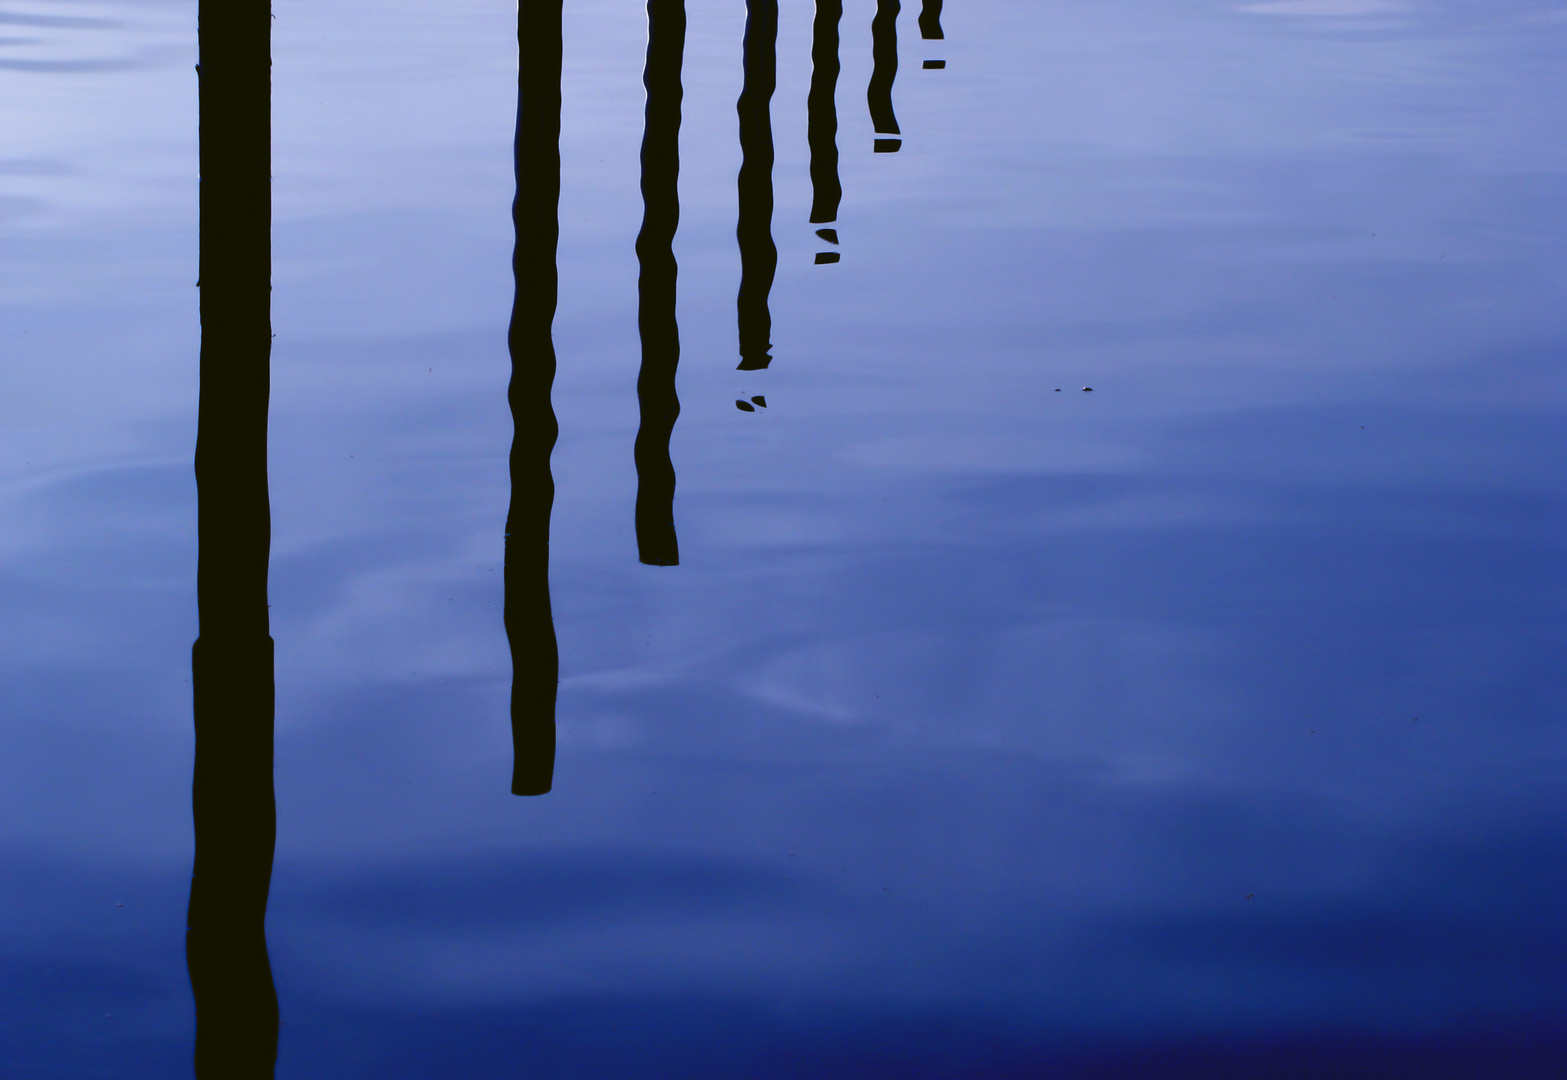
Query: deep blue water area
1109,621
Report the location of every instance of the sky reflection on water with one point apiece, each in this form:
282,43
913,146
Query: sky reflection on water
1209,721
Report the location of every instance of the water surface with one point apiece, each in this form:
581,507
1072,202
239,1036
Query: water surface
921,713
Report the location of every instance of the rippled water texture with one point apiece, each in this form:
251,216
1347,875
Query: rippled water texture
926,714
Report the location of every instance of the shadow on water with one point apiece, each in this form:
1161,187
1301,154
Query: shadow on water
231,662
530,627
657,544
758,254
884,70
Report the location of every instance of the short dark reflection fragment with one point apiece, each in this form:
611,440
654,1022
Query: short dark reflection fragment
884,70
657,543
758,253
930,21
934,65
886,146
530,626
231,662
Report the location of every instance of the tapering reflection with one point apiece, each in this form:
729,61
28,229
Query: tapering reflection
884,69
822,109
758,254
530,627
657,544
930,21
231,661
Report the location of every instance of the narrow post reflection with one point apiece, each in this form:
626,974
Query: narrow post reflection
758,254
530,626
930,21
822,122
657,543
884,69
231,662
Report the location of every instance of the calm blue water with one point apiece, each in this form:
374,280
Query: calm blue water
1209,723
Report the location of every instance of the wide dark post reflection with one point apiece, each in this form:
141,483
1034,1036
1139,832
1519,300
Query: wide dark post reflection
930,21
231,662
530,626
822,112
758,254
657,544
884,70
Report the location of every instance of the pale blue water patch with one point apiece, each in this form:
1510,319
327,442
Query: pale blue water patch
1208,720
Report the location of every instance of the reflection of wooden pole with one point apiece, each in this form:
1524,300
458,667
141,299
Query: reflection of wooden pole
930,21
231,663
657,544
884,69
758,254
530,627
822,113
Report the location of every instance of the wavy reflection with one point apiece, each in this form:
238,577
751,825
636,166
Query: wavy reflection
822,115
930,21
884,70
758,254
231,662
657,544
530,626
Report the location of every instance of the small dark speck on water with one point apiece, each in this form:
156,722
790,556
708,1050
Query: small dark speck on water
1088,389
1250,895
745,406
759,400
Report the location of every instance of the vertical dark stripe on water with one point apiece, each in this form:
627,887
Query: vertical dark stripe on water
231,661
657,544
530,627
822,110
758,255
884,67
930,21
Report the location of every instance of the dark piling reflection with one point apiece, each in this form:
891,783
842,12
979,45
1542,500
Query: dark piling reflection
530,627
930,21
231,662
884,70
822,112
666,40
758,254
